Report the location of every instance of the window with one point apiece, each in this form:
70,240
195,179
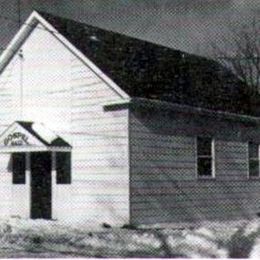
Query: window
18,168
253,159
205,157
63,167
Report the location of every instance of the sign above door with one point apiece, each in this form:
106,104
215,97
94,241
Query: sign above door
16,139
30,136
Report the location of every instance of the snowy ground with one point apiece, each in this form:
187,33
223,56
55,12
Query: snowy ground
28,238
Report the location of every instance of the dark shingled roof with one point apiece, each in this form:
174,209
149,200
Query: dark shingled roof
147,70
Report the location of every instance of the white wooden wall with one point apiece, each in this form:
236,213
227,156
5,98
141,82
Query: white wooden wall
64,94
5,188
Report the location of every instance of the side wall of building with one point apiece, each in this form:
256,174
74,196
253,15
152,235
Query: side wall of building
164,183
46,83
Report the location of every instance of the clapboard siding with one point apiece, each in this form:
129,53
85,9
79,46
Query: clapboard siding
100,141
8,93
231,160
5,186
164,182
100,149
201,202
62,92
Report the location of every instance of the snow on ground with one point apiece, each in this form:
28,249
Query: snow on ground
40,238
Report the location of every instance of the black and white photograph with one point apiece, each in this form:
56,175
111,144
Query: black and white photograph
130,129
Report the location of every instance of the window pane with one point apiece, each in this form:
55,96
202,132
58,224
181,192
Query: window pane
253,168
204,167
204,146
18,168
253,150
63,168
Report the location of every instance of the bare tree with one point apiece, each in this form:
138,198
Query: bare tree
243,55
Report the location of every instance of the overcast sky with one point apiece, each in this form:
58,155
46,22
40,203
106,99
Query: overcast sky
188,25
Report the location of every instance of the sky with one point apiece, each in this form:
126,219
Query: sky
189,25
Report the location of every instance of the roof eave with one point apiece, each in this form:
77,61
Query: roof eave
185,109
28,27
18,40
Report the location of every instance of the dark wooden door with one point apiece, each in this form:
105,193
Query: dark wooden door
41,185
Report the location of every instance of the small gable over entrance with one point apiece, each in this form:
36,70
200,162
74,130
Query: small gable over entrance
31,137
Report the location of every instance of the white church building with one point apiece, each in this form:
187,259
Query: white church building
98,127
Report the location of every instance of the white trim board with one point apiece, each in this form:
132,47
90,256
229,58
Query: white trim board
21,149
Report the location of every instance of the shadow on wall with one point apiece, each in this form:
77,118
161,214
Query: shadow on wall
164,184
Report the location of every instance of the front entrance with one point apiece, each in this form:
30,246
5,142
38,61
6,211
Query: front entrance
41,191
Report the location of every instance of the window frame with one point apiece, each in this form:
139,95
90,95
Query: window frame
253,159
213,160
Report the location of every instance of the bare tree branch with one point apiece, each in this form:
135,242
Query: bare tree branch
244,58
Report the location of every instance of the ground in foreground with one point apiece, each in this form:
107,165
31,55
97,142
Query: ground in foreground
27,238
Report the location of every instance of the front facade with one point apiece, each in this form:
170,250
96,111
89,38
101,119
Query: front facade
46,82
76,147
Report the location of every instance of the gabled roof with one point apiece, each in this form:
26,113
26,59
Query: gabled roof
24,136
147,70
141,69
44,135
